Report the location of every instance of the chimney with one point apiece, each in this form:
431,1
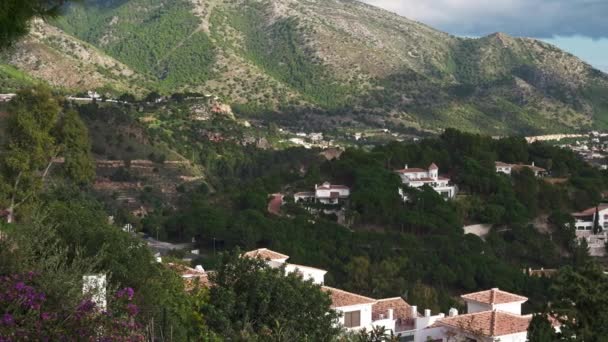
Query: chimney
414,311
532,163
390,314
199,268
405,166
453,312
427,312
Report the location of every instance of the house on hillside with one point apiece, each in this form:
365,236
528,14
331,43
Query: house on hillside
507,169
492,315
325,193
584,222
357,311
417,178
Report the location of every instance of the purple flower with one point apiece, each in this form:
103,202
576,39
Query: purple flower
132,309
86,305
126,292
45,316
7,319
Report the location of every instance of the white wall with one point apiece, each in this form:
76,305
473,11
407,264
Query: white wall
327,192
366,315
473,307
317,276
514,308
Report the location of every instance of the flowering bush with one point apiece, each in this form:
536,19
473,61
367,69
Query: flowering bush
25,314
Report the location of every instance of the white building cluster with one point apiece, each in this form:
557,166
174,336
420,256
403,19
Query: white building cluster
325,193
492,315
507,169
584,222
417,178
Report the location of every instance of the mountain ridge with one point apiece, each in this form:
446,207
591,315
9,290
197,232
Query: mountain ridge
305,63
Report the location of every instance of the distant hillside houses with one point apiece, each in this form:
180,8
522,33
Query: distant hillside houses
584,222
507,169
417,178
325,193
492,315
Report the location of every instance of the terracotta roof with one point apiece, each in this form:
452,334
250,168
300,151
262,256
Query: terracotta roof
517,167
433,166
274,206
411,170
494,296
341,298
501,164
591,211
549,272
305,193
265,253
192,277
401,309
488,323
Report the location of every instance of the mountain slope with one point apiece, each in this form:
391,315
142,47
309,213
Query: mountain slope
306,60
50,54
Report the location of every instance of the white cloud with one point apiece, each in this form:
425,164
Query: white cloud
533,18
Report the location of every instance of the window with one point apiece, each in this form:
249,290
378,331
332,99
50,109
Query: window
352,319
409,338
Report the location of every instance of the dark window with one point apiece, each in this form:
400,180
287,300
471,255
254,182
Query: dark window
406,338
352,319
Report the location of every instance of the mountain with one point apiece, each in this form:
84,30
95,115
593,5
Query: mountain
327,64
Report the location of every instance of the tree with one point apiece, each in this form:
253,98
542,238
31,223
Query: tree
540,329
252,301
73,137
580,298
31,146
15,16
597,228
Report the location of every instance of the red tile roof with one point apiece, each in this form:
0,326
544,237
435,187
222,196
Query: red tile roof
494,296
501,164
518,167
192,277
591,211
433,166
401,309
265,253
341,298
488,323
274,206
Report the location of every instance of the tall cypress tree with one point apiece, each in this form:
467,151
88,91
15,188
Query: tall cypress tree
596,222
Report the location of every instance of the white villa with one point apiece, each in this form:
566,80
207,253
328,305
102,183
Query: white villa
325,193
507,169
583,222
416,178
493,315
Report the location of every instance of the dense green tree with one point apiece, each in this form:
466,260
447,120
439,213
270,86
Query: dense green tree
541,330
30,144
252,301
579,302
75,144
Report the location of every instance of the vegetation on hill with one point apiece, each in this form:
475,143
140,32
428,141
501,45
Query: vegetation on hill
362,65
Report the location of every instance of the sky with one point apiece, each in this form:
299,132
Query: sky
577,26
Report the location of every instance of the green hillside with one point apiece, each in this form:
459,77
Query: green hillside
302,61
